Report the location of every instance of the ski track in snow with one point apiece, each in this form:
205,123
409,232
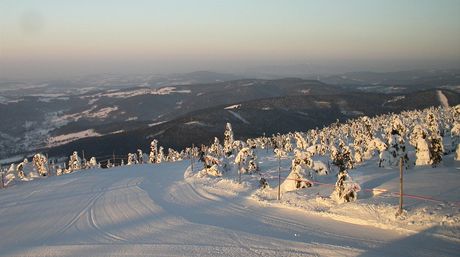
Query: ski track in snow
442,99
236,115
149,210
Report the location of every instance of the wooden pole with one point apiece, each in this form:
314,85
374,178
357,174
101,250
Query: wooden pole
401,192
279,178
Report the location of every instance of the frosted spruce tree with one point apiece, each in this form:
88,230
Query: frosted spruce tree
109,164
153,151
40,164
297,178
140,156
132,159
74,162
216,148
457,153
251,143
436,144
455,136
228,140
161,155
341,156
418,139
345,189
23,169
301,143
246,161
211,167
241,159
287,145
397,149
92,163
173,155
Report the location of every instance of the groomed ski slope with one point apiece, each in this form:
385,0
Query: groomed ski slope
150,210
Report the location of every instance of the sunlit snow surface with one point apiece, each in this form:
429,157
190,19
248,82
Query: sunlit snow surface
152,210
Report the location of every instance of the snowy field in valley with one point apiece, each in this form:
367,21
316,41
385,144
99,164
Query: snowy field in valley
151,210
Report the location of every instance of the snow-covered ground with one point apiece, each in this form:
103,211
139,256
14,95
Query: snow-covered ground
152,210
431,202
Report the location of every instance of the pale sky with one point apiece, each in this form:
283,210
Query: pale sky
58,38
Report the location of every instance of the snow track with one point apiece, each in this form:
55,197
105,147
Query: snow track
149,210
442,99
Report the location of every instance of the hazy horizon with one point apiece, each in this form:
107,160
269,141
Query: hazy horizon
56,39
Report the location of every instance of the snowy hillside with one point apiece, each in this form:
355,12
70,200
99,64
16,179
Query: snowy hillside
147,210
324,192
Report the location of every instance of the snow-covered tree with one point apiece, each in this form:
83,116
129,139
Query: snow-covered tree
263,183
92,163
252,164
40,164
342,157
245,159
211,167
297,178
74,162
173,155
436,144
153,151
455,136
345,189
140,156
216,148
287,145
24,169
251,143
301,143
397,149
109,164
419,141
436,149
228,140
457,153
358,158
132,159
279,153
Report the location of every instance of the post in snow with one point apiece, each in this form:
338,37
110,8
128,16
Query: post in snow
279,177
401,161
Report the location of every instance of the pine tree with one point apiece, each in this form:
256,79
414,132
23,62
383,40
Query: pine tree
40,164
345,189
153,151
228,140
436,145
140,156
422,151
74,162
